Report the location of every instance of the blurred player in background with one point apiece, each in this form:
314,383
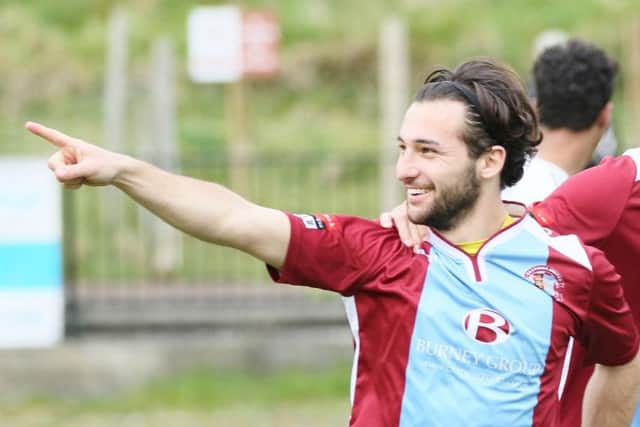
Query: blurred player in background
573,85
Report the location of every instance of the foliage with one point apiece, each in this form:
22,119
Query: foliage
325,98
324,105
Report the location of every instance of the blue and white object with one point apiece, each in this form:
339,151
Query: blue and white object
31,278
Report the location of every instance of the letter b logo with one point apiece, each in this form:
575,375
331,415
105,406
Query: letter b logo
486,326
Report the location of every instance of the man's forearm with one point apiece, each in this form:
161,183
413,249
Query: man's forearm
612,395
194,206
206,210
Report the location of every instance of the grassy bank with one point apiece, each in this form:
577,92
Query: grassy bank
291,398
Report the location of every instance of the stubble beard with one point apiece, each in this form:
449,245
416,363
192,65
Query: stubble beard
451,203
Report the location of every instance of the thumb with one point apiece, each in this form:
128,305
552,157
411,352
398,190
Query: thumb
386,220
72,172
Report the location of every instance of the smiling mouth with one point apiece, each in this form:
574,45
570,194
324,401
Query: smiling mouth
414,192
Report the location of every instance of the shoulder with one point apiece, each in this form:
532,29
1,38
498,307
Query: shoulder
567,245
591,202
579,271
582,266
352,231
610,171
330,222
341,253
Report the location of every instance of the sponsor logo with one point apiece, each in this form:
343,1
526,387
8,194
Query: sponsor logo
319,221
546,279
311,222
541,215
466,359
486,326
330,221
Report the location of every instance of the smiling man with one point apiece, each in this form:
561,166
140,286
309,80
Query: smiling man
574,83
457,184
471,328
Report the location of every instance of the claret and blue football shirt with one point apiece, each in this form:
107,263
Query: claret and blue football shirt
602,206
446,339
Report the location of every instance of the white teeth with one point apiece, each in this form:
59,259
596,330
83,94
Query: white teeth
416,191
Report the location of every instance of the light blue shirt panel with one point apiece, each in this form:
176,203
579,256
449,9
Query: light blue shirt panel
453,380
636,418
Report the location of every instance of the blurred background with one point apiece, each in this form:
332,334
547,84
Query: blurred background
159,329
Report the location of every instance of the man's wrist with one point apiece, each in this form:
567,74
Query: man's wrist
126,168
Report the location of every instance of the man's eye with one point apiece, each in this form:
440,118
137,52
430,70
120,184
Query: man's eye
427,150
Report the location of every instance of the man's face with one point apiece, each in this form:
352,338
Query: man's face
440,179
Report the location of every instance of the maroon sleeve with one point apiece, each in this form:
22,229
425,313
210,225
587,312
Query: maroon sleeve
590,203
609,334
337,253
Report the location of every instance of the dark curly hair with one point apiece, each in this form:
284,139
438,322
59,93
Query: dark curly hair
572,83
498,111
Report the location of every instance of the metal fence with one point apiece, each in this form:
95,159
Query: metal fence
126,269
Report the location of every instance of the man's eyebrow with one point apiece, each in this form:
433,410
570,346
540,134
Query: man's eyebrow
421,141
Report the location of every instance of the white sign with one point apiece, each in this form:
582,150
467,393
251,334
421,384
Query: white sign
215,44
31,282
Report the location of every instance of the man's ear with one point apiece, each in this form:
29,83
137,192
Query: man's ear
491,162
603,120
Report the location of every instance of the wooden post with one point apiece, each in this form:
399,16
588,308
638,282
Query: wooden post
116,80
166,241
632,84
114,121
235,115
393,80
115,84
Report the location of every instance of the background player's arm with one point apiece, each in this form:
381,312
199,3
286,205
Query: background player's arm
202,209
611,395
576,207
611,339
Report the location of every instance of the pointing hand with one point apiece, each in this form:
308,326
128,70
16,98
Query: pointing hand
77,162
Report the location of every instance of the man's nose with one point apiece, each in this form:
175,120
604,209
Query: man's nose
406,169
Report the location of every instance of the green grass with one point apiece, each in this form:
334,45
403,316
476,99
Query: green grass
204,397
206,389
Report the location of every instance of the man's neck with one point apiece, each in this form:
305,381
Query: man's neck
481,222
567,149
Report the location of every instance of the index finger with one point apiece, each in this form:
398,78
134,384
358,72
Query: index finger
56,137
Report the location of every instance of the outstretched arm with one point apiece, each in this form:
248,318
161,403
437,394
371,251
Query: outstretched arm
612,395
202,209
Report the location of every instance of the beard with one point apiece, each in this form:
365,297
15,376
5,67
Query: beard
451,203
